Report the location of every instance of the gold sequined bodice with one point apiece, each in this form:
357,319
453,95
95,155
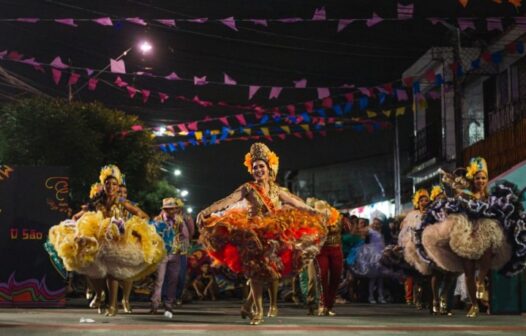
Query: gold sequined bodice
334,234
257,203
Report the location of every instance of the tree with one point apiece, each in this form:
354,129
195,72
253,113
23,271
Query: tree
82,136
152,197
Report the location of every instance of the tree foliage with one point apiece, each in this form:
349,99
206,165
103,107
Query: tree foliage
82,136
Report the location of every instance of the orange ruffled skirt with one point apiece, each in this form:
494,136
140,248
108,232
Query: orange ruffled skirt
266,247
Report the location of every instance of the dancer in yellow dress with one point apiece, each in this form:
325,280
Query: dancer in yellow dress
261,230
103,244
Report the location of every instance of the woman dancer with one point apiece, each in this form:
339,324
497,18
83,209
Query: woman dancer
261,230
103,244
474,230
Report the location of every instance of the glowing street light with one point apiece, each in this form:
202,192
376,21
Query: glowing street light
145,47
177,172
189,210
184,193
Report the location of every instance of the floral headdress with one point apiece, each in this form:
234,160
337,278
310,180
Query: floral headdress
95,190
419,194
435,192
476,165
110,171
260,151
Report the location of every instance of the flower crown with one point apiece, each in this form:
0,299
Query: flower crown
476,165
96,189
110,171
419,194
435,192
260,151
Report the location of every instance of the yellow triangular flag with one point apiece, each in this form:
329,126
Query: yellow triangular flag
247,131
400,111
286,129
387,113
198,135
265,131
215,132
306,127
371,114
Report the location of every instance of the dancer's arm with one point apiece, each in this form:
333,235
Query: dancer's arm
134,210
234,197
290,199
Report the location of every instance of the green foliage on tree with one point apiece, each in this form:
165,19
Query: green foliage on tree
152,197
82,136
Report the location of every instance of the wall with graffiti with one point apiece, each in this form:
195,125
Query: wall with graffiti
32,199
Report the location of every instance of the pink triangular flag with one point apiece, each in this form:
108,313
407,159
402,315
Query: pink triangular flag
282,136
252,89
198,20
30,61
137,128
183,128
173,76
73,78
192,126
343,23
56,75
464,24
103,21
375,19
260,22
200,80
433,95
241,119
365,91
117,66
300,84
28,20
290,20
229,22
89,71
57,63
3,53
167,22
229,80
67,22
319,14
323,92
274,92
436,20
224,120
163,97
131,91
145,95
494,24
119,82
16,56
401,95
92,84
137,21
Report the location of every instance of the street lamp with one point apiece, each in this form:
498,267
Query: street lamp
177,172
145,47
184,193
189,210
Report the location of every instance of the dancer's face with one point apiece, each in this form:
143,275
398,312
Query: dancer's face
111,186
423,202
260,171
480,181
123,192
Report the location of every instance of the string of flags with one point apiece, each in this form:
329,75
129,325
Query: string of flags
403,12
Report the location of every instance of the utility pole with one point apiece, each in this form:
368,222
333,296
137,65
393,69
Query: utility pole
457,101
397,184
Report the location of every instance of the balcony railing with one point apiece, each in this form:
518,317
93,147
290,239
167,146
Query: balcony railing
505,116
502,149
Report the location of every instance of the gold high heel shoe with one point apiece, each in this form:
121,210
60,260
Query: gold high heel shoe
246,313
126,306
256,320
436,308
473,311
111,311
273,311
443,307
481,289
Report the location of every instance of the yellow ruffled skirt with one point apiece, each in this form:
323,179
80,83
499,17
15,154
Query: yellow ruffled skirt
94,246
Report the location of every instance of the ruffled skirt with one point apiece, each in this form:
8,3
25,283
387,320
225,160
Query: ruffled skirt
265,247
99,247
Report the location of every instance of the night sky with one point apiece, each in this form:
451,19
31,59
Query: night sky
274,56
